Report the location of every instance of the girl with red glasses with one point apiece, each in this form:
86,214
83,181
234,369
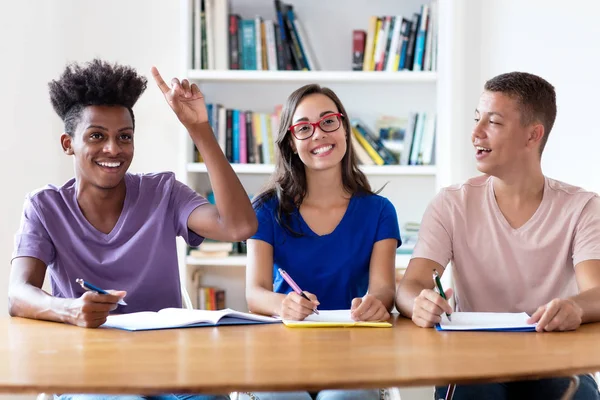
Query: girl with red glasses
320,221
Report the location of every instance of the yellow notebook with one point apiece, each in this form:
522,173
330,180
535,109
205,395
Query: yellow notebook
333,318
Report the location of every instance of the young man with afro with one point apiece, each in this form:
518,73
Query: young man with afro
113,228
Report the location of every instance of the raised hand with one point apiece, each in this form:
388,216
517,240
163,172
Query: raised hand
368,308
91,309
296,307
429,306
186,100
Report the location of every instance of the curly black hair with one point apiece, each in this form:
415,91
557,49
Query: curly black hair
95,83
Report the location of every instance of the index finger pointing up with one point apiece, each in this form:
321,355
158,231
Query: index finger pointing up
159,80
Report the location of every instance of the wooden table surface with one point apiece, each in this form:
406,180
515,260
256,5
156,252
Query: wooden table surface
55,358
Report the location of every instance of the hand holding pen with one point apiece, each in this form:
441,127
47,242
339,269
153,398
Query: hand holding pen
298,304
93,307
429,305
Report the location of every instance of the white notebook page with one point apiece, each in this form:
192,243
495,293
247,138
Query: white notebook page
484,320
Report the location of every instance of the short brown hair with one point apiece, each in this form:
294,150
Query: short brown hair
535,95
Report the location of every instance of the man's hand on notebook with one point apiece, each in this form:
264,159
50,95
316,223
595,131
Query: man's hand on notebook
295,307
368,308
429,306
557,315
91,309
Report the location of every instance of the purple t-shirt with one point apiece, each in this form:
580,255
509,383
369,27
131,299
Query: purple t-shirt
139,255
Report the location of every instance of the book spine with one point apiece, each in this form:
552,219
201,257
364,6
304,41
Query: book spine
248,44
358,49
250,145
235,137
229,133
287,56
234,54
412,40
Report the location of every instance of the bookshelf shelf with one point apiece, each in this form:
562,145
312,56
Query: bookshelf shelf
221,76
240,261
371,170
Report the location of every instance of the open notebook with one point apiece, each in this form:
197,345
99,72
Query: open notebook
332,318
484,321
168,318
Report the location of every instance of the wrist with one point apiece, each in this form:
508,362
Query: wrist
199,130
62,309
577,307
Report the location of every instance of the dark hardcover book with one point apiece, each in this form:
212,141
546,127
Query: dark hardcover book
292,41
203,42
234,45
299,47
279,46
228,136
412,40
287,54
358,49
404,35
250,142
388,52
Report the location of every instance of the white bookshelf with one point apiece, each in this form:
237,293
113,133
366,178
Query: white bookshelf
371,170
304,77
366,95
240,261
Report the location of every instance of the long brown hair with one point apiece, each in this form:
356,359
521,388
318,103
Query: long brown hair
288,182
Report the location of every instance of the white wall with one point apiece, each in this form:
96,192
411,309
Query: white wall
37,38
558,41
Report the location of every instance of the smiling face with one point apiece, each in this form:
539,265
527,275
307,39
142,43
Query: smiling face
502,141
102,144
323,150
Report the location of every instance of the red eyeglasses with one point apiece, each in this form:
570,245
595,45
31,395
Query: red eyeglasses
305,129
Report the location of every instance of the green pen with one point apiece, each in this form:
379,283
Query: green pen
438,283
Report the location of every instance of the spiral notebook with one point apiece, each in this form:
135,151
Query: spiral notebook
486,321
333,318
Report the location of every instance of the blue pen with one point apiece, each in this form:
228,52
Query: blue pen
90,287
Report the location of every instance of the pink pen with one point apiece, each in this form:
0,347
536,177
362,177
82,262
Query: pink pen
294,286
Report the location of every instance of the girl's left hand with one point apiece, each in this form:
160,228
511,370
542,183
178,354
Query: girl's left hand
368,308
186,100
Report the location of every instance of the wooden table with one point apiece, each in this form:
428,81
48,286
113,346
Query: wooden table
50,357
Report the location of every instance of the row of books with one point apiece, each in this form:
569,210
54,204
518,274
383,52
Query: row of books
257,44
397,43
411,139
207,297
253,43
248,137
245,137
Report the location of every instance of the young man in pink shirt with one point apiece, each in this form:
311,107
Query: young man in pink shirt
518,240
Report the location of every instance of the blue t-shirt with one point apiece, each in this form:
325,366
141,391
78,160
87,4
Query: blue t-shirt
335,267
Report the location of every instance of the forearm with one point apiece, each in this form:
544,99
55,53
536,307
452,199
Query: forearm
385,295
232,202
28,301
407,291
589,301
264,301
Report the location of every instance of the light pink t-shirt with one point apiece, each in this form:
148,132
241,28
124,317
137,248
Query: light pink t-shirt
500,269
